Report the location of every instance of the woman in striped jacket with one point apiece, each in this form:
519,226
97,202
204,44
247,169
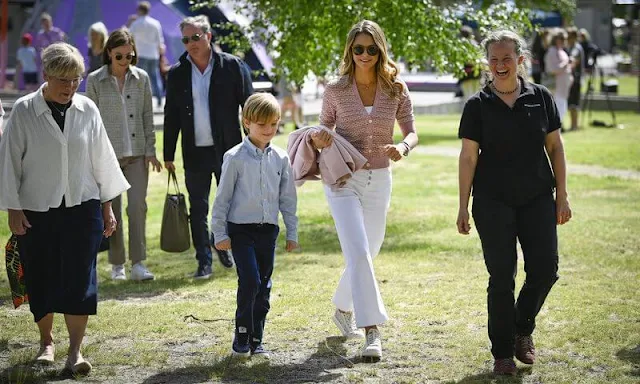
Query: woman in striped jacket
122,93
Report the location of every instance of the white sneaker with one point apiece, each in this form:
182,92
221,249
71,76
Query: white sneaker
140,273
117,272
373,344
346,323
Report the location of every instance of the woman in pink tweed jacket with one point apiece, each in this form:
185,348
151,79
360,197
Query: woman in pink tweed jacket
363,106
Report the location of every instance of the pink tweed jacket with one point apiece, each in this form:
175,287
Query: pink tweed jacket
342,108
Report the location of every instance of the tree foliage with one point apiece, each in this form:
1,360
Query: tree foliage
309,35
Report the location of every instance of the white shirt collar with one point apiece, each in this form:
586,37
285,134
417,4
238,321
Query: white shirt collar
40,104
209,65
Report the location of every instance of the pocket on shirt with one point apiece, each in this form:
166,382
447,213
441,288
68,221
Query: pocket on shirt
536,117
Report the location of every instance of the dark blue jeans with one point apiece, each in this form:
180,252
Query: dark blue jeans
499,226
253,247
199,187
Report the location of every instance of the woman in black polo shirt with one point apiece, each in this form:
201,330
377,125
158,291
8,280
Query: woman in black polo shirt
510,131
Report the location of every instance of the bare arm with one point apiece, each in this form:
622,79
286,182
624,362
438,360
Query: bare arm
555,149
466,169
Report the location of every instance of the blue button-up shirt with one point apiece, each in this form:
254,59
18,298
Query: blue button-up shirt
255,185
200,83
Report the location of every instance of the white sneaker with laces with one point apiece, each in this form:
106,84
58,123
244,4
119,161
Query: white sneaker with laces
117,272
373,344
346,323
140,273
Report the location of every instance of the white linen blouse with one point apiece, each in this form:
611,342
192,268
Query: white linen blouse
39,163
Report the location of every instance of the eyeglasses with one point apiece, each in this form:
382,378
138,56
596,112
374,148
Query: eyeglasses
196,37
66,82
129,56
372,50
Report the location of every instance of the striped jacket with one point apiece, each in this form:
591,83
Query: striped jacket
102,89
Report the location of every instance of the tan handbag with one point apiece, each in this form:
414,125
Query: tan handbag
174,233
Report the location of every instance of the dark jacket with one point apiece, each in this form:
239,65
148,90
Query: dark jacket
230,87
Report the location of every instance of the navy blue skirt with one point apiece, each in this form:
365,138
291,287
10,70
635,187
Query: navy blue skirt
58,254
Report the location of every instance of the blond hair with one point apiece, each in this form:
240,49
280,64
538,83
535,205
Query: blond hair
260,107
101,30
386,69
62,60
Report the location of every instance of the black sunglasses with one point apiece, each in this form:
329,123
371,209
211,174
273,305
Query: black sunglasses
129,56
372,50
196,37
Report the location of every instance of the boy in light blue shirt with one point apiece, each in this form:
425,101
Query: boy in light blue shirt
256,184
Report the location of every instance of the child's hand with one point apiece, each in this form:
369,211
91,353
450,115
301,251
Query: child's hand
291,245
225,245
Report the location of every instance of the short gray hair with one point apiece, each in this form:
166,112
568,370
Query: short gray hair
62,60
200,21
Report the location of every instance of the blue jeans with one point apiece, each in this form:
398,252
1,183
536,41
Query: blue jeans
253,247
151,67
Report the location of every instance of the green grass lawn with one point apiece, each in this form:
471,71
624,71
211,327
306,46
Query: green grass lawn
433,282
606,147
627,84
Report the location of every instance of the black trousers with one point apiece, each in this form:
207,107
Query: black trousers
499,226
198,182
253,247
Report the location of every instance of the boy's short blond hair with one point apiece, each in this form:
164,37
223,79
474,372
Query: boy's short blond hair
260,107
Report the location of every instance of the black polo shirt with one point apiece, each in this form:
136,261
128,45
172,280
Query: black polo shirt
513,166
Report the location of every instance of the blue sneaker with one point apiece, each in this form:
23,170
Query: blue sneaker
258,350
203,272
241,346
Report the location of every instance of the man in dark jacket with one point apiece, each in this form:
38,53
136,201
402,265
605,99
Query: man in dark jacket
204,92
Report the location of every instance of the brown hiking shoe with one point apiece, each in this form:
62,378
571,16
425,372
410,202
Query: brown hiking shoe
525,350
504,367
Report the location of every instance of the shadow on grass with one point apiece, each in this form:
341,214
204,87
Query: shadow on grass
631,355
123,290
33,374
316,368
489,377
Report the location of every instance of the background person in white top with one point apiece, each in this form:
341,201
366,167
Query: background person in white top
147,33
58,175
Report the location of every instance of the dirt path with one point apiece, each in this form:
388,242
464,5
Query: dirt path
590,170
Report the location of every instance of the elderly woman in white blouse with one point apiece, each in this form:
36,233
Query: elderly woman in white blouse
58,175
122,93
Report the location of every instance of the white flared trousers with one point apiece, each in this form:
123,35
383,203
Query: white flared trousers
359,210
